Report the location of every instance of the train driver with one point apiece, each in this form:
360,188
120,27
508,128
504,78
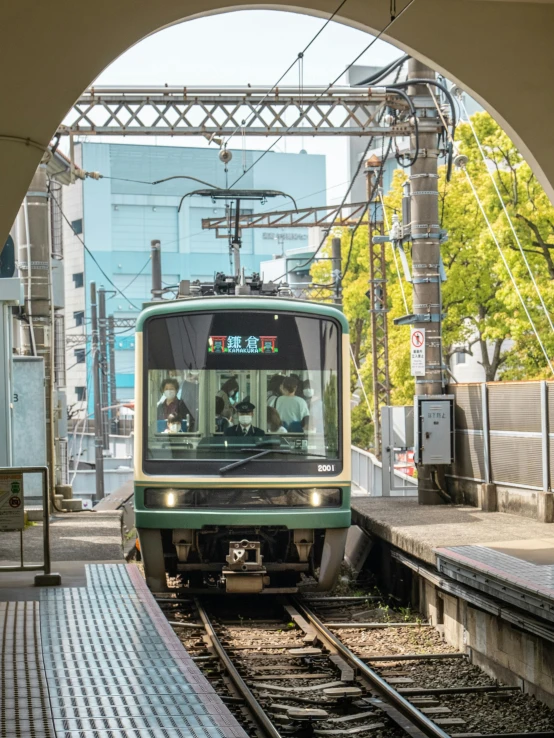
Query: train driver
245,412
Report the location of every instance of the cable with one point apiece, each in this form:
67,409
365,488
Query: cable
369,45
383,72
387,224
529,318
134,278
384,158
325,235
507,214
89,252
361,384
299,56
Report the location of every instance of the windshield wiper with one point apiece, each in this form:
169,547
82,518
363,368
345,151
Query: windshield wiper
265,452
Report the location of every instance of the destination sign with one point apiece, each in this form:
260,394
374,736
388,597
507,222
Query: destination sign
242,345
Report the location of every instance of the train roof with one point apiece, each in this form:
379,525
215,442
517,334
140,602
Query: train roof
241,302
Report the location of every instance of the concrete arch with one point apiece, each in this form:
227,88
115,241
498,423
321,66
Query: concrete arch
500,51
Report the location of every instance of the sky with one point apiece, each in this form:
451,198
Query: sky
249,47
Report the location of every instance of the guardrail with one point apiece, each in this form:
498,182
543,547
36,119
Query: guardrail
367,475
12,518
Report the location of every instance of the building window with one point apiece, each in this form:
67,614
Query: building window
79,356
78,279
460,357
79,317
81,393
77,226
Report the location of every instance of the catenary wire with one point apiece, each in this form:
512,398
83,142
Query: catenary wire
369,45
507,214
351,184
361,383
89,252
503,257
299,56
374,188
495,239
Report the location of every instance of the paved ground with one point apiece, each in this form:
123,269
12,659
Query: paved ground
86,536
418,529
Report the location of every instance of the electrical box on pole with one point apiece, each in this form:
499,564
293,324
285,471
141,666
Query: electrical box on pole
434,429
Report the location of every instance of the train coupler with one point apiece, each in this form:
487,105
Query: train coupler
245,571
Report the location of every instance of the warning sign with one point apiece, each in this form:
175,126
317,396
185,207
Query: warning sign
417,352
12,515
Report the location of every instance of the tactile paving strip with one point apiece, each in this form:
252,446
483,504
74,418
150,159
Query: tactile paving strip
24,706
116,669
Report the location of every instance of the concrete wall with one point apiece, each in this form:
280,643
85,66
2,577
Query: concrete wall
501,650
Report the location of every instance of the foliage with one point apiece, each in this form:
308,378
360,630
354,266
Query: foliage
481,305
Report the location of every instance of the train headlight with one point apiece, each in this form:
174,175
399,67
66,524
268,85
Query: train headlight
315,498
170,499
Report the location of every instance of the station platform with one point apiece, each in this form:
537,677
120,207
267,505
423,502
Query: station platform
505,556
102,660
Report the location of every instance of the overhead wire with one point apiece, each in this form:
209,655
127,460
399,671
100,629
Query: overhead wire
299,57
497,243
370,199
503,257
90,253
361,384
509,219
387,225
364,50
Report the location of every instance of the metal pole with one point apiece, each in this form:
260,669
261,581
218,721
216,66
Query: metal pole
36,272
377,308
336,269
156,255
103,361
98,440
113,388
425,230
236,240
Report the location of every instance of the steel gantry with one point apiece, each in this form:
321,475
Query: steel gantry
326,217
378,308
254,111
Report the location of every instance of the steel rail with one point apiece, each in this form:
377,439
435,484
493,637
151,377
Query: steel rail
253,705
390,695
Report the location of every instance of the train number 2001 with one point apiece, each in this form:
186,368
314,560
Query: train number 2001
326,467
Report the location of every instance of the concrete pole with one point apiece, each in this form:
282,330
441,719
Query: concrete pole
98,440
336,269
425,230
36,273
103,359
156,254
113,389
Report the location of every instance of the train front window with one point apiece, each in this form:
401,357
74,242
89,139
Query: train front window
218,386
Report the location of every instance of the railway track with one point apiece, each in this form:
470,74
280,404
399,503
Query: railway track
301,667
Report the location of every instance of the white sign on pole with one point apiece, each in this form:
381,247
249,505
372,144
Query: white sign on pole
417,352
12,515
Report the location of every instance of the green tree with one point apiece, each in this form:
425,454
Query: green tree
480,303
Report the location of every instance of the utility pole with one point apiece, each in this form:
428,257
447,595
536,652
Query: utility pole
425,235
113,388
36,272
103,361
336,269
377,306
156,255
98,440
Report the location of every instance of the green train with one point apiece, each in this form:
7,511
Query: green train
242,445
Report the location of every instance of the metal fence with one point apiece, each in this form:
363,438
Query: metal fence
367,476
503,433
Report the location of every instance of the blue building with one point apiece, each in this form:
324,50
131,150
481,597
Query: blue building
119,215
